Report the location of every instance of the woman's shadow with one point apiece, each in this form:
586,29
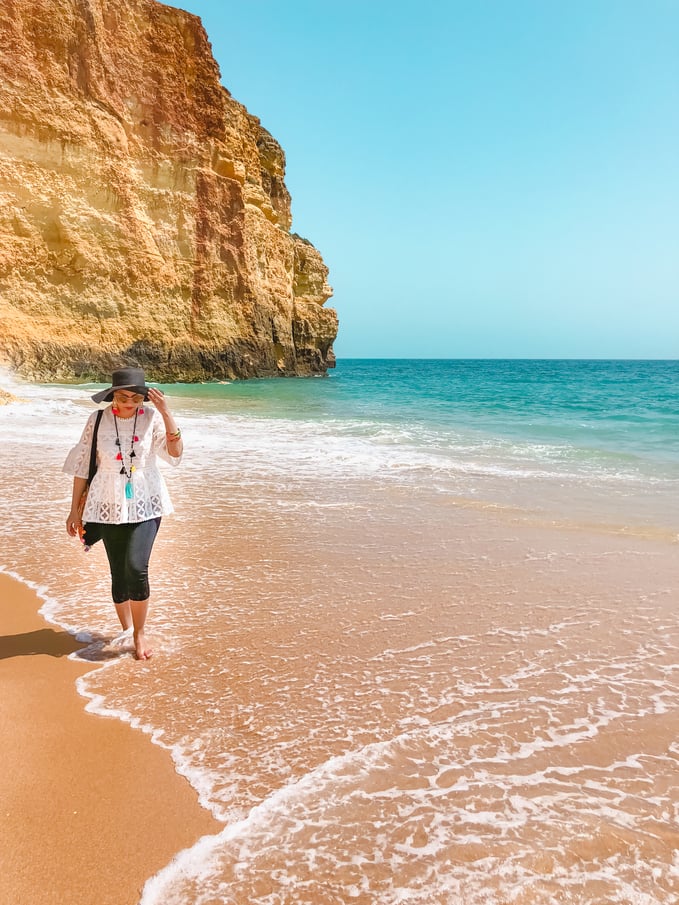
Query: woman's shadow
53,643
43,641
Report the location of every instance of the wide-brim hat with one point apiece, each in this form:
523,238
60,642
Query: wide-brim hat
124,379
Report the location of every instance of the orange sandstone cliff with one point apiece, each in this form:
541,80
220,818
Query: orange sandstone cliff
144,216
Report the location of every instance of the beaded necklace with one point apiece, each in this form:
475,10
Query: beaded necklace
129,487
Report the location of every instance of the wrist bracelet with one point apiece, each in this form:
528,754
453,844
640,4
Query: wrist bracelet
176,435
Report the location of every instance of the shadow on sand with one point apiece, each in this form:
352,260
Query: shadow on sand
47,641
54,643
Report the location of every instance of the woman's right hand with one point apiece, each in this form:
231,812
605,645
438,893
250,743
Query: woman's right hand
74,524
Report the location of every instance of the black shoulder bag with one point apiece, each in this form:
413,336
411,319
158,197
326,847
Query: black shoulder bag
91,530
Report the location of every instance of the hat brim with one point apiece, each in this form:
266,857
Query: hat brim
107,394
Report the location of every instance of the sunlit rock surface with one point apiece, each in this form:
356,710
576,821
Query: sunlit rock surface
144,216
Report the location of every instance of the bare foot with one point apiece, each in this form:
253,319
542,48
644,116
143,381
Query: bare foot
141,651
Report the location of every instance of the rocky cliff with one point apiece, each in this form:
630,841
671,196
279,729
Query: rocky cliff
144,217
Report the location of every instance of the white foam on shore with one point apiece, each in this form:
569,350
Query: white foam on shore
277,830
269,835
199,780
50,605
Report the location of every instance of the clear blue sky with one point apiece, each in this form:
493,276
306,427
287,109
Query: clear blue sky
484,179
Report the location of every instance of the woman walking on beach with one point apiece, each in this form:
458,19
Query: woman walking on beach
127,496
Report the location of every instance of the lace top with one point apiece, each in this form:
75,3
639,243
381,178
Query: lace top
106,501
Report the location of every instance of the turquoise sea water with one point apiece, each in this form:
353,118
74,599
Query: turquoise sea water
521,432
622,408
415,628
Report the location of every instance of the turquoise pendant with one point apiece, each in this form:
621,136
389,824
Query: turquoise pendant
129,491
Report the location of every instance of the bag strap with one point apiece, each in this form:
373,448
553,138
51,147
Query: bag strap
93,450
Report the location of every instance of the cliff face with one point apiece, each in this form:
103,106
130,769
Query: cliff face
144,217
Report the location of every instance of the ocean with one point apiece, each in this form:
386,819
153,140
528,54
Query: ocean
415,626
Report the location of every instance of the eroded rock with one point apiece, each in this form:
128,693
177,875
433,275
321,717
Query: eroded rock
144,217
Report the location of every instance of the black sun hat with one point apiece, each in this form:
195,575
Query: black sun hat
124,379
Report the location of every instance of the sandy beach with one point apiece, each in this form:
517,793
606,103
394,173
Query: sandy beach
403,658
90,808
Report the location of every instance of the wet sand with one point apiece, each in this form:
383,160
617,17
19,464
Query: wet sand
90,808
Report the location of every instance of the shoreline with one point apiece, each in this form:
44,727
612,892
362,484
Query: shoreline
92,808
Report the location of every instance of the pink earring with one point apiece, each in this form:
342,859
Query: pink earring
115,410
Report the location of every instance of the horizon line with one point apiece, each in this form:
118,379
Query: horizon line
492,358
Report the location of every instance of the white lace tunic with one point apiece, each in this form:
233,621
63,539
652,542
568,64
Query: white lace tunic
106,501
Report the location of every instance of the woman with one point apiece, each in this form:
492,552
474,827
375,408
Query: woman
127,497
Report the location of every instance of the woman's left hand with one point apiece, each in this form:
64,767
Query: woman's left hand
157,397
